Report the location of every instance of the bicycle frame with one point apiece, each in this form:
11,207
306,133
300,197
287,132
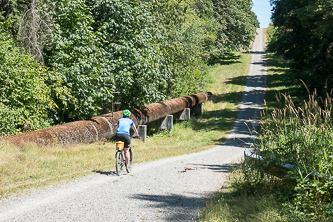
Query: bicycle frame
120,161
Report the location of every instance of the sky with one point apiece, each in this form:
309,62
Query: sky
262,9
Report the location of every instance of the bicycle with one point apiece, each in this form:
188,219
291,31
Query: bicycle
120,158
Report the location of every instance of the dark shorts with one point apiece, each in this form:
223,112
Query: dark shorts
125,138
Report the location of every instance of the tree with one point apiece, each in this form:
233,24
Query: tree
34,27
184,35
304,36
73,52
136,65
146,50
237,25
196,32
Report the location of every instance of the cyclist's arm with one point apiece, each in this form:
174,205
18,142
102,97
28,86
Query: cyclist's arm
135,130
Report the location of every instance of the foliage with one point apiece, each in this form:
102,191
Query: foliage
184,41
303,136
11,12
304,36
237,25
136,65
24,95
33,30
73,51
32,167
272,37
192,37
111,49
285,200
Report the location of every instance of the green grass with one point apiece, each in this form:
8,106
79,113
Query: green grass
32,167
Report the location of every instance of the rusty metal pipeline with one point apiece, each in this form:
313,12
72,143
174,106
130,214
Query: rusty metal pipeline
104,126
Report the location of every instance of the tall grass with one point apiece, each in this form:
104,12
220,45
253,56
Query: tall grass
31,166
302,136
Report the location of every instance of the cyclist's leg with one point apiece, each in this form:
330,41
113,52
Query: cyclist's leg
126,149
127,156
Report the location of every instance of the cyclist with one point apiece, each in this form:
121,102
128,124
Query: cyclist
123,133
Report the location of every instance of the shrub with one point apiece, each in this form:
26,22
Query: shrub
24,95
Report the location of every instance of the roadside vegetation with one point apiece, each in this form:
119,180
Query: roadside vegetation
22,169
62,60
78,60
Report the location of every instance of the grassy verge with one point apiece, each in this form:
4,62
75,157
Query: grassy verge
243,199
32,167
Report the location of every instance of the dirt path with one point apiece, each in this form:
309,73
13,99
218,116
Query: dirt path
172,189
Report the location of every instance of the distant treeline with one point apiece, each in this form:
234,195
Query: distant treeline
302,32
62,60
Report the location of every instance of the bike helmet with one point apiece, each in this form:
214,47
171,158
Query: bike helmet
126,112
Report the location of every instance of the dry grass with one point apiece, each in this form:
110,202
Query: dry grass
34,166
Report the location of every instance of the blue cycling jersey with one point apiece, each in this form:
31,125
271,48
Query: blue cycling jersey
124,125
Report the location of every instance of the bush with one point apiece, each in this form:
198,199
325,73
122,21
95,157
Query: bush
24,95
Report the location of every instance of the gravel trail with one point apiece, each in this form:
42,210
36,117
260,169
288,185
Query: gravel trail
171,189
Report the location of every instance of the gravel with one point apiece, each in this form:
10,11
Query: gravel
171,189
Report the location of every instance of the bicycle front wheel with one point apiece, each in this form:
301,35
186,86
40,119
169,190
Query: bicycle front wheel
130,161
120,163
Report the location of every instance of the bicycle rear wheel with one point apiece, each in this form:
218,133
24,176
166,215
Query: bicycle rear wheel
120,163
130,161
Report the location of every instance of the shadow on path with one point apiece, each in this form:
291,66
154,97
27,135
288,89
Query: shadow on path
225,168
181,206
107,173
